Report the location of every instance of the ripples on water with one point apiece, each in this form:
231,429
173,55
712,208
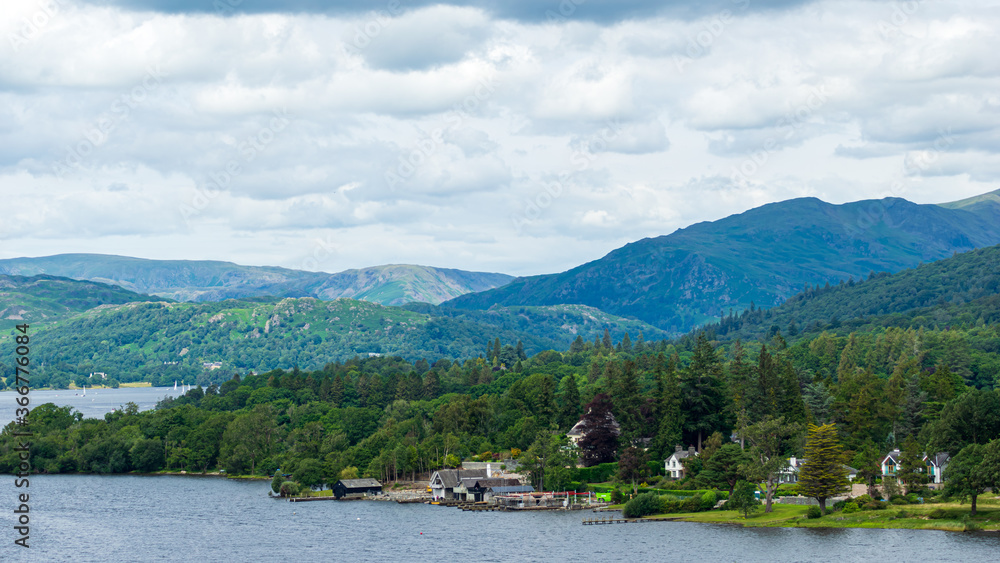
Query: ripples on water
132,518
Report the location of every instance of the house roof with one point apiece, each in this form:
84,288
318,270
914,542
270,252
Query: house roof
893,455
479,483
939,459
512,489
360,483
451,478
577,429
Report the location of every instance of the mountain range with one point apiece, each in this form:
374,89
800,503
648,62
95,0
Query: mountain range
207,280
757,258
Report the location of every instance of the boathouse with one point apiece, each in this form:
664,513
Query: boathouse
447,483
356,487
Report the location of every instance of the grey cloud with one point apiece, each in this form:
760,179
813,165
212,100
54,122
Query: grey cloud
606,11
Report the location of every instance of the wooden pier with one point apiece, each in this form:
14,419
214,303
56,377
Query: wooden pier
592,521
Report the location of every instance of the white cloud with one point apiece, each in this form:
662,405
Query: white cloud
526,146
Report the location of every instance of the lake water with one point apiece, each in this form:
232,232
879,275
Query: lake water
96,404
170,518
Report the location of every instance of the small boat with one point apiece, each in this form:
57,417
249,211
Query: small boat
175,385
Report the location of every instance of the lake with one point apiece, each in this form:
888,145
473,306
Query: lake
96,404
174,518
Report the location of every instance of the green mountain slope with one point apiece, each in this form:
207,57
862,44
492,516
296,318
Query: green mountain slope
763,256
206,280
45,299
160,342
961,290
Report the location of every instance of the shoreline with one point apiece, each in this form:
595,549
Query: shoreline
915,517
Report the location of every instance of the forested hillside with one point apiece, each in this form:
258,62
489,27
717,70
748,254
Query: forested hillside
762,257
387,418
163,342
961,290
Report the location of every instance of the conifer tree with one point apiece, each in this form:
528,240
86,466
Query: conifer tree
570,412
823,474
606,341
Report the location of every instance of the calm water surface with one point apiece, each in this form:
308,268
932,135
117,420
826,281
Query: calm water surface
96,404
133,518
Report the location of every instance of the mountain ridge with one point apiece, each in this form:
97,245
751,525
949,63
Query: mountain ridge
212,280
761,256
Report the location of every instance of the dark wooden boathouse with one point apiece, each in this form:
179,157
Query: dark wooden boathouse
346,487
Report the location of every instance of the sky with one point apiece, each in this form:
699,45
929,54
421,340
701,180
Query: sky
521,136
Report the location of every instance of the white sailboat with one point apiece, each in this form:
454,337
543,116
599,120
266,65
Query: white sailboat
84,390
175,385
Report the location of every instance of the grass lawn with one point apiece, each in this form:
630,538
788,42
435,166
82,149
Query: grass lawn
914,517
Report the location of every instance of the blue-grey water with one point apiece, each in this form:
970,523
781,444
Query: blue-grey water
96,404
172,518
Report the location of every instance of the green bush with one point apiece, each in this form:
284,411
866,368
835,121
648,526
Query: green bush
850,507
913,498
874,505
708,500
814,512
617,497
839,505
596,474
642,505
902,514
862,500
899,500
691,504
938,514
289,489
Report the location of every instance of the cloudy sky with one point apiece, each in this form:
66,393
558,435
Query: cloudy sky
524,136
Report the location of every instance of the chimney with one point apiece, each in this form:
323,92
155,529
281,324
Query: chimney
690,450
489,472
678,448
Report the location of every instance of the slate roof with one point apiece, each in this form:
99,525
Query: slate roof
940,460
512,489
450,478
471,483
360,483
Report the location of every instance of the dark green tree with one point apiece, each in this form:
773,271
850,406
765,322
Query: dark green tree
703,401
967,476
823,474
722,470
743,499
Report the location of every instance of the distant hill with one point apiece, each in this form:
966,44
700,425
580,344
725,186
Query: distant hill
206,280
44,299
761,257
165,341
961,290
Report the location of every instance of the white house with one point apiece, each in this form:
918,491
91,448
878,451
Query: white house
935,464
673,466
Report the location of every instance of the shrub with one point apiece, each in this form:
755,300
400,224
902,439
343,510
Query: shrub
839,505
289,489
902,514
900,500
912,498
814,512
875,505
708,500
617,497
938,514
862,500
691,504
850,507
642,505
